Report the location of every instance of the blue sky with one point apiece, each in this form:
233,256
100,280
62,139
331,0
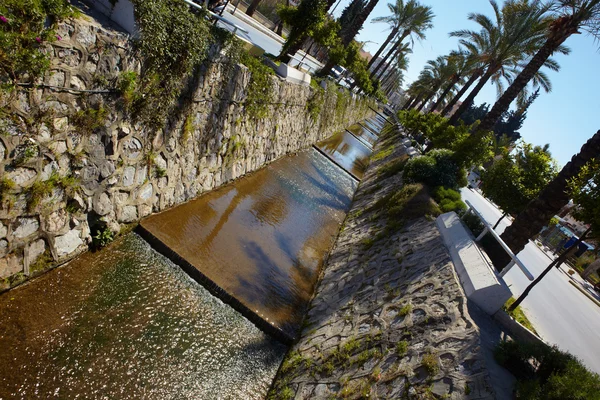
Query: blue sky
565,117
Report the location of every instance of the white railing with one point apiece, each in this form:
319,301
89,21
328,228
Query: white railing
488,229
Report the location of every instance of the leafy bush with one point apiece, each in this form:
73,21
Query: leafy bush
546,373
436,168
449,200
474,224
468,149
24,28
102,237
260,93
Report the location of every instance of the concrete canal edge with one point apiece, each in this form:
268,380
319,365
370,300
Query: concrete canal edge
389,318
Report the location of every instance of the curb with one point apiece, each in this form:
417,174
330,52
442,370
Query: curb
585,293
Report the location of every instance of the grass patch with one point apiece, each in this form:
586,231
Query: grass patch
430,363
383,153
391,168
409,202
404,311
518,315
402,348
42,189
90,119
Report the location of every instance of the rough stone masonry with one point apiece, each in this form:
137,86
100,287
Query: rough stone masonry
388,320
124,172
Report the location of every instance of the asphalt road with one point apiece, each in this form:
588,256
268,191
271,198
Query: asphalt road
560,313
267,42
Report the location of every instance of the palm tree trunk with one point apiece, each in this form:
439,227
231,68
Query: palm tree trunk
252,8
408,102
520,82
292,49
393,50
327,68
461,92
392,34
358,22
469,100
550,200
444,93
429,97
385,66
556,263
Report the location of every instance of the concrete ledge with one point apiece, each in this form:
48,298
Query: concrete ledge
476,276
293,75
515,329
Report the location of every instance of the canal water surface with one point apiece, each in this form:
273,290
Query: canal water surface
126,322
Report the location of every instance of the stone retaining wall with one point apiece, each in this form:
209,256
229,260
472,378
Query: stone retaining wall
389,319
61,174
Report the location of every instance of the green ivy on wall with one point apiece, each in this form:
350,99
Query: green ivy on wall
25,28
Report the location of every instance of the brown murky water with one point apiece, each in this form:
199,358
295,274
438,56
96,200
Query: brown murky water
348,152
263,238
126,323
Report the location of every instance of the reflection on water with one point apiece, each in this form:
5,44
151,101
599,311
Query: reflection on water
348,152
127,323
263,238
363,133
372,127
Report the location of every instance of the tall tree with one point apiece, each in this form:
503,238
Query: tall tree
415,19
305,20
513,181
252,7
436,73
472,79
461,63
350,14
517,32
572,16
550,200
400,15
584,188
357,24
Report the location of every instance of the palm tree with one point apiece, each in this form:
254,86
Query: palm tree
474,76
461,63
357,25
435,74
571,17
517,32
400,14
306,18
550,200
419,90
252,7
415,19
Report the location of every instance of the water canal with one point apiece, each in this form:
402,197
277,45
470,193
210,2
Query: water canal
127,322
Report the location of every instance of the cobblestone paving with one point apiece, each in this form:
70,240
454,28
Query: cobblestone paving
389,319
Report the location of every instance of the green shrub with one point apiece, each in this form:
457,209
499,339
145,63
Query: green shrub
546,373
474,224
260,93
29,24
128,85
436,168
449,200
102,237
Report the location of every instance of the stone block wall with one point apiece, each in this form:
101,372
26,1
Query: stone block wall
60,176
